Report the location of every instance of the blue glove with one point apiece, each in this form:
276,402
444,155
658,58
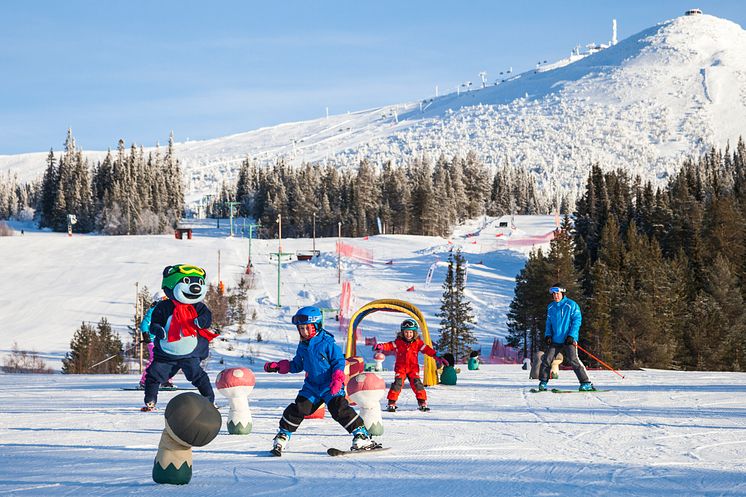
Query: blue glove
157,331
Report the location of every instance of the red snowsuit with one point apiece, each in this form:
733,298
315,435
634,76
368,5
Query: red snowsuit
407,365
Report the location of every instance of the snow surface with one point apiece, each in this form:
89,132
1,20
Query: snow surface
644,104
655,433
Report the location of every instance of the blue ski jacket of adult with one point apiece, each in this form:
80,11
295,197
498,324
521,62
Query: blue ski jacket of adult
319,357
563,320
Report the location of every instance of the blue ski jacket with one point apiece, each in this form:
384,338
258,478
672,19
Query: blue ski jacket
319,357
563,320
145,323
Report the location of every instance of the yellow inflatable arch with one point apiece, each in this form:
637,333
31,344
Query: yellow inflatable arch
393,305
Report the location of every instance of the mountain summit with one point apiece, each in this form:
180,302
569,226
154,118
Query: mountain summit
643,104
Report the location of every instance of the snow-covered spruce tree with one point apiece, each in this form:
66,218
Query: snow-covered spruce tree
476,185
91,346
455,310
395,213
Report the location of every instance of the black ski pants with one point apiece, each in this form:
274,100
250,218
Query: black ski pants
570,352
160,371
339,408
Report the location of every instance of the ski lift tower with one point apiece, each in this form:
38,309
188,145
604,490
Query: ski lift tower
483,75
251,231
231,205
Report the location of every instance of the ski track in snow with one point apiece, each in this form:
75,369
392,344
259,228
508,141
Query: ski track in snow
484,435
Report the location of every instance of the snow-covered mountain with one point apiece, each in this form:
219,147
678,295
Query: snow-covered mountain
642,104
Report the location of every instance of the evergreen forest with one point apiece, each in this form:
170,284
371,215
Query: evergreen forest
659,273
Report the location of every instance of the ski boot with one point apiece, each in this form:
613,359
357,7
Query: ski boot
586,387
149,407
361,439
422,406
542,386
168,385
280,442
391,407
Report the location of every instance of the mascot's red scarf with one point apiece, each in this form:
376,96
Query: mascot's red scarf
182,323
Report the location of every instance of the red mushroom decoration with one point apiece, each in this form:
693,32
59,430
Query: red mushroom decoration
379,357
367,390
236,384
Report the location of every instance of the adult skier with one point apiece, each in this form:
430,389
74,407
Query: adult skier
561,335
322,360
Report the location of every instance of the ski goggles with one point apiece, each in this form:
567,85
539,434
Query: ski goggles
187,270
179,271
557,289
305,319
409,324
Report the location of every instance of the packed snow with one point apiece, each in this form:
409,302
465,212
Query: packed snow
644,104
653,433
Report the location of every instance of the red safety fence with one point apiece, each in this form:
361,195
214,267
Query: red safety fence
503,354
524,241
344,307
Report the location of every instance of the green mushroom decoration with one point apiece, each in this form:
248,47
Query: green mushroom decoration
191,421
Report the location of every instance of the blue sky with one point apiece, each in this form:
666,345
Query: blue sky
137,70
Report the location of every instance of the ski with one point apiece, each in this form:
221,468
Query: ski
557,390
338,452
161,389
536,390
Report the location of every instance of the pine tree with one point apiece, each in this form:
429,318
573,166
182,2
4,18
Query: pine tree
455,310
528,309
423,202
94,350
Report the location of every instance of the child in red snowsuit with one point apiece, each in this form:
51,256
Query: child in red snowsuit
408,345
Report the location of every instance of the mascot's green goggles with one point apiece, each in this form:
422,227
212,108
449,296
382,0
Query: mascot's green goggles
177,272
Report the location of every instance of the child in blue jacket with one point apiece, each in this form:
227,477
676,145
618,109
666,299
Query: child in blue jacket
322,360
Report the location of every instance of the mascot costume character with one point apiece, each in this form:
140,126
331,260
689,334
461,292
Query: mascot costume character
181,338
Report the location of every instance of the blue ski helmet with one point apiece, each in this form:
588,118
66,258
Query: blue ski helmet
309,315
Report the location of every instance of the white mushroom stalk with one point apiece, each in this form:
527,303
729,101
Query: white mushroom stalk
367,390
236,384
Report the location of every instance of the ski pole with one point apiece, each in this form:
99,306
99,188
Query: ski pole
599,360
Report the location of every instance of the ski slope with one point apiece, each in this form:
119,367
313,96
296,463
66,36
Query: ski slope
656,433
56,282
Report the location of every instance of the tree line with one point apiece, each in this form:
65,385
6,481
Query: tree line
128,192
659,273
418,197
